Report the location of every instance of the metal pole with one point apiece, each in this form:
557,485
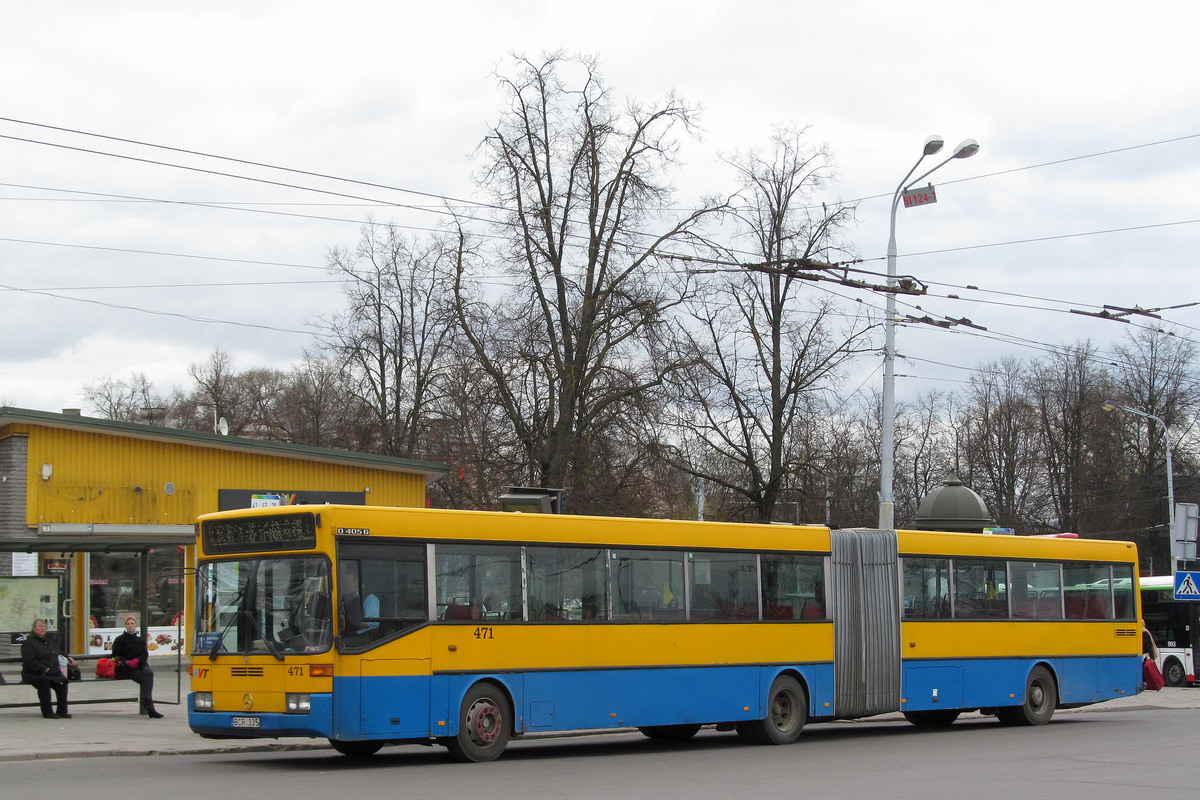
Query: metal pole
1111,404
887,445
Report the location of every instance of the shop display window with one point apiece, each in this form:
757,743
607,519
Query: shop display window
115,594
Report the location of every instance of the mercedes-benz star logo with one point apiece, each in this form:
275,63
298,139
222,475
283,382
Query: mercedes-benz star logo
247,701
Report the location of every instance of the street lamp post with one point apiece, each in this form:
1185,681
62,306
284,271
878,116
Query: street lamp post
887,505
1110,405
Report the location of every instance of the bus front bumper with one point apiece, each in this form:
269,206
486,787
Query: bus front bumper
317,723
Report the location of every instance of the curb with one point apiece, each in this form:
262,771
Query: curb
173,751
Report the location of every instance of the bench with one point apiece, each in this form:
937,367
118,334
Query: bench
10,676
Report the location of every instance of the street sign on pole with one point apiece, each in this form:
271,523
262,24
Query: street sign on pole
919,197
1183,535
1187,585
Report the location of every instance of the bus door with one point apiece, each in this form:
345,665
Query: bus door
394,698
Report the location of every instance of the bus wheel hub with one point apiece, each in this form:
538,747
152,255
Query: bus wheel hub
484,722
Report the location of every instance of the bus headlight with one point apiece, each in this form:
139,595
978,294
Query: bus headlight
298,703
202,701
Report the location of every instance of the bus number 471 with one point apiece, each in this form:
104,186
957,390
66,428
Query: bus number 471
484,633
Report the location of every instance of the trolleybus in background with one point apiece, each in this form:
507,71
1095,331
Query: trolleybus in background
375,626
1175,625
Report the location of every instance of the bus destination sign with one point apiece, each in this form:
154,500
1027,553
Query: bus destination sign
920,197
252,534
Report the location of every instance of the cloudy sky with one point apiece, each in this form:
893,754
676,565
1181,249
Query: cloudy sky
114,260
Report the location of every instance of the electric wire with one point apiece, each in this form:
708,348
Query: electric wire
375,202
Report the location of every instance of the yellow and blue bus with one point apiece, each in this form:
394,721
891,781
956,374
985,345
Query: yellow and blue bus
376,626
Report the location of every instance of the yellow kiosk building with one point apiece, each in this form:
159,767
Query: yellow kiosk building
103,513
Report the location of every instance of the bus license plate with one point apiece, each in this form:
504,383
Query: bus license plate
245,722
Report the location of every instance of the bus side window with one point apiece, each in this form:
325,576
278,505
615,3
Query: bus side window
478,581
389,581
926,588
793,586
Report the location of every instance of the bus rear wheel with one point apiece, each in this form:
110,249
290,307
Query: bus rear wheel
484,725
356,749
932,719
1173,673
669,733
787,711
1041,697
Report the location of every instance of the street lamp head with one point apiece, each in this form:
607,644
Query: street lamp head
1110,405
968,148
933,144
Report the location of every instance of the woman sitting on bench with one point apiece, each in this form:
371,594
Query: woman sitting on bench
40,668
132,658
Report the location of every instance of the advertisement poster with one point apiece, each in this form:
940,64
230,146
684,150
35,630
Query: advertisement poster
162,641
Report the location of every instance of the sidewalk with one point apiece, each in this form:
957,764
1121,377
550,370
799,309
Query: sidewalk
116,729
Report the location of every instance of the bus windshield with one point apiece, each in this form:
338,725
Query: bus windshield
264,605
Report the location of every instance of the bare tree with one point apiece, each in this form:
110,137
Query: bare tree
1155,372
924,450
132,399
1005,451
760,357
315,407
1068,388
218,393
391,336
583,196
470,431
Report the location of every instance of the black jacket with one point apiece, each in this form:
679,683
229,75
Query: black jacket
130,645
39,659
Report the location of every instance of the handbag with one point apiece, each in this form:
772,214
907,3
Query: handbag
1151,675
71,671
105,668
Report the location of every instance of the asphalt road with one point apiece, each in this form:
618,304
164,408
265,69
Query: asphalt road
1133,753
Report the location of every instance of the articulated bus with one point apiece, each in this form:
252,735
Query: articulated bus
379,626
1175,625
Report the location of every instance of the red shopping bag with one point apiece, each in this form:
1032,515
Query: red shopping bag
1152,677
105,668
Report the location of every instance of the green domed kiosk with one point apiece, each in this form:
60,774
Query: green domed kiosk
953,507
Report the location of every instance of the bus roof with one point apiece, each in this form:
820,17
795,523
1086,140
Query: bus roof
442,524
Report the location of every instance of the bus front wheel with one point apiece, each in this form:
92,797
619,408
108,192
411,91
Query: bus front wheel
787,711
932,719
1173,673
356,749
670,733
1041,698
484,725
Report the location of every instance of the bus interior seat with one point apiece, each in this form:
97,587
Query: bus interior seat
1049,606
1097,605
812,610
779,612
1023,609
469,610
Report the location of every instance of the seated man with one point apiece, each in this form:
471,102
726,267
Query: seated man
360,615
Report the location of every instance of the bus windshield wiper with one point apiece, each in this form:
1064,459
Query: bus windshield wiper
237,603
262,635
272,646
